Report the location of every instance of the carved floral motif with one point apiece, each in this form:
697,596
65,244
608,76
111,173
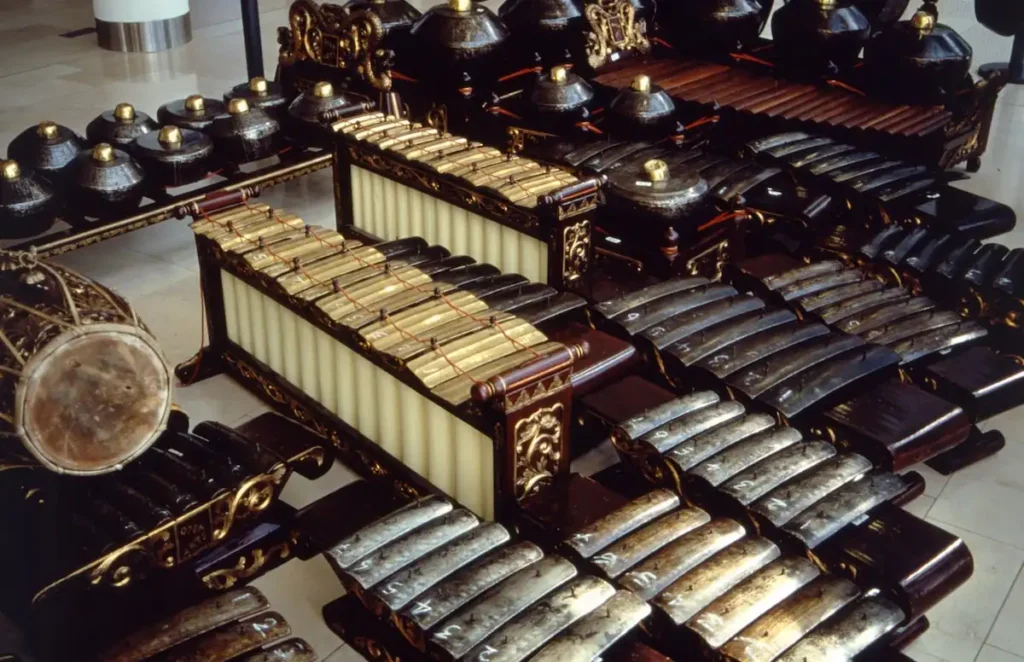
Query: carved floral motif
613,28
575,250
538,448
334,37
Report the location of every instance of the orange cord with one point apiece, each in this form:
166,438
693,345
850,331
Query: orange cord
521,72
750,58
841,85
721,218
704,120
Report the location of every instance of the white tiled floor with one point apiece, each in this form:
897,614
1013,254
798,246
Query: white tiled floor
44,76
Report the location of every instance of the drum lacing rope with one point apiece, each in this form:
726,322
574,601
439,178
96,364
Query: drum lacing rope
381,268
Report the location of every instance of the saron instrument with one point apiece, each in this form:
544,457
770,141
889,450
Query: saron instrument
443,362
400,179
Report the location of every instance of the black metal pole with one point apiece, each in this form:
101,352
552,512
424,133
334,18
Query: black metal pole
1017,58
251,35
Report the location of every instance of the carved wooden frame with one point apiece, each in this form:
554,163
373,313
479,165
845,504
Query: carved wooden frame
529,425
565,226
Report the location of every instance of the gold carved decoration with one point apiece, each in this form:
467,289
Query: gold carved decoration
351,453
613,28
575,250
246,567
525,397
333,37
186,536
537,440
437,118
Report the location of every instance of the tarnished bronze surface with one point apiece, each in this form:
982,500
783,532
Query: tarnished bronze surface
692,349
699,319
371,569
707,444
622,521
646,421
698,588
293,650
786,502
777,140
831,164
397,590
524,634
186,624
818,523
767,637
768,474
869,184
388,529
813,302
657,571
593,634
862,323
635,547
797,393
861,304
848,634
616,308
911,326
727,616
793,147
938,340
809,286
826,151
230,641
471,625
682,429
648,318
452,593
745,454
787,278
741,354
760,377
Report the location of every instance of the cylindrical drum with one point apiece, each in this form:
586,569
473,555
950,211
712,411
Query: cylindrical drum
83,384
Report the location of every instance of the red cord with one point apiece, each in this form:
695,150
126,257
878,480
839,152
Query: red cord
721,218
402,332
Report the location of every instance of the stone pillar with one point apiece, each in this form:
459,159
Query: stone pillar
142,26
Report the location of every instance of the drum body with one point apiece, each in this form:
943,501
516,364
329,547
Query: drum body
83,384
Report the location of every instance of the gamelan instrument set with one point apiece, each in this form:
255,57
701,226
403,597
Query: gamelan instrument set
733,269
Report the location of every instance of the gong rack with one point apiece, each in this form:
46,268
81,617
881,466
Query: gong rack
185,539
160,206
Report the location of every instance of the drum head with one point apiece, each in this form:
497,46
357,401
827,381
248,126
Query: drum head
93,399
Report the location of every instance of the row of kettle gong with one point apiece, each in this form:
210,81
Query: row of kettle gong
462,43
52,171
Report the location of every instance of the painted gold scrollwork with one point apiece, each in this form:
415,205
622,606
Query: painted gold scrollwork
253,496
575,250
437,118
614,27
121,567
333,37
537,448
247,566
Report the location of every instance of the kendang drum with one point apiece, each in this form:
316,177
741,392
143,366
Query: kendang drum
83,384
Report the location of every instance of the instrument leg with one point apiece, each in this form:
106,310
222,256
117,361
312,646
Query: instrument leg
205,364
977,446
1015,67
